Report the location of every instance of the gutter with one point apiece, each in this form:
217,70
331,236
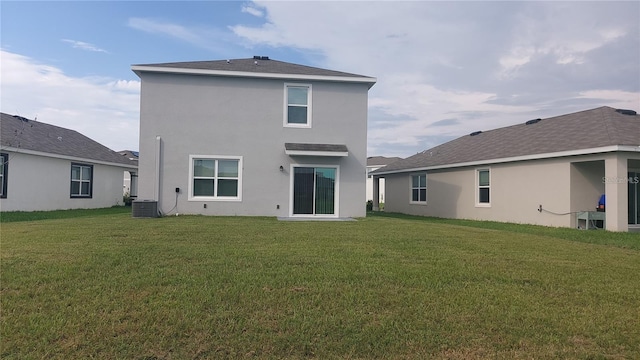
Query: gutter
67,157
246,74
600,150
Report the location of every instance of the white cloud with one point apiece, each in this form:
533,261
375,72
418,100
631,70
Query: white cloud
84,46
200,36
106,110
566,31
615,98
165,28
483,64
253,11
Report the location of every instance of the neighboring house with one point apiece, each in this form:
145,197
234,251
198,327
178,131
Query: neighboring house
130,184
375,163
253,137
545,171
46,167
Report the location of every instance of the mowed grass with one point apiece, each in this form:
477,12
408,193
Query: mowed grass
13,216
384,287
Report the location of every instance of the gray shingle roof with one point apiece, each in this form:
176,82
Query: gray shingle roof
315,147
381,160
21,133
600,127
250,66
130,154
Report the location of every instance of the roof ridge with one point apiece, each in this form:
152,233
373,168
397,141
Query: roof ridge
605,120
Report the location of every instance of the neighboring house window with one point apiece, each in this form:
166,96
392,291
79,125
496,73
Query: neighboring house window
297,112
483,179
215,178
81,180
4,166
419,188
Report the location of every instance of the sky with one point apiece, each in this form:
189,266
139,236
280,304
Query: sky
444,69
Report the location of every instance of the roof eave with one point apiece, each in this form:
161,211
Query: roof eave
68,157
316,153
599,150
138,69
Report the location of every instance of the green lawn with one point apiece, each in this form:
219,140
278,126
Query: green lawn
107,286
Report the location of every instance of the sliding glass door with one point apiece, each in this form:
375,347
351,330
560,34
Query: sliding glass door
314,190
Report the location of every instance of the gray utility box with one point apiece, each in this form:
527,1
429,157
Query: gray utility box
144,209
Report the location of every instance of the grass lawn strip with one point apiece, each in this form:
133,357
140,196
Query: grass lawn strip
383,287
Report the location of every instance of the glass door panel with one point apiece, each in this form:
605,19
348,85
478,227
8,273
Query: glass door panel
314,191
303,186
325,190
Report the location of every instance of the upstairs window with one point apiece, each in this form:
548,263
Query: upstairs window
483,178
419,188
81,181
297,112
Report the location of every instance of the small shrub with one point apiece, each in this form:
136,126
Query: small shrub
369,205
127,199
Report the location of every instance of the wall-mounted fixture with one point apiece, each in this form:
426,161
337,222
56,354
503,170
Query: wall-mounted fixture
281,168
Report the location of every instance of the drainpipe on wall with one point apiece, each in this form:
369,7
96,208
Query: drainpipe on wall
156,185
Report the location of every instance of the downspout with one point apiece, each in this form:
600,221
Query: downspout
156,185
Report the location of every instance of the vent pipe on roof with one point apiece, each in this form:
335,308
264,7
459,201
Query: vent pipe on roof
475,133
531,122
626,112
20,118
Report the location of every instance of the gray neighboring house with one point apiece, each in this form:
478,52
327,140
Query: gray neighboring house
546,171
47,167
375,163
253,137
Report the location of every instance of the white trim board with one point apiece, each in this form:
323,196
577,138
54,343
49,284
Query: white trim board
600,150
352,79
67,157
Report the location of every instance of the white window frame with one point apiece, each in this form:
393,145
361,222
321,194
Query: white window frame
478,187
191,197
286,105
80,195
411,188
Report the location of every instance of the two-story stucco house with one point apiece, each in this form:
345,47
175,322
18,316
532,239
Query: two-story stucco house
253,137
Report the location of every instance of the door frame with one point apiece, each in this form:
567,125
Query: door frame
336,209
635,198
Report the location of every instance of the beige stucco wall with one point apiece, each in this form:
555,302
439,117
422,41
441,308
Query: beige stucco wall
517,190
560,185
43,183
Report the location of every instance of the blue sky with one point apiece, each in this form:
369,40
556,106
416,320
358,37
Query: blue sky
444,69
